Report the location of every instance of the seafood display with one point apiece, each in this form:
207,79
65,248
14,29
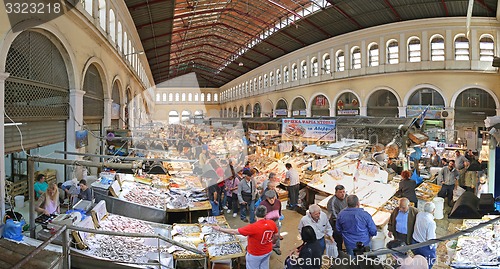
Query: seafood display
124,249
146,195
225,249
117,223
219,238
427,191
392,204
186,229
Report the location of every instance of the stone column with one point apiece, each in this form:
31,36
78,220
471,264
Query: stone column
73,125
3,77
363,111
402,111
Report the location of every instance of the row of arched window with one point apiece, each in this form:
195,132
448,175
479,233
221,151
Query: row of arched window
461,52
112,25
187,97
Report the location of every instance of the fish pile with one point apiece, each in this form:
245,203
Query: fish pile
125,249
146,195
187,229
224,250
472,250
391,204
219,238
117,223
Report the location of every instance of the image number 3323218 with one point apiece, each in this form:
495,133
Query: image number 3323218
18,7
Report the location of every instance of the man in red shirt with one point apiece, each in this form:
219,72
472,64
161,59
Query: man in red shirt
261,236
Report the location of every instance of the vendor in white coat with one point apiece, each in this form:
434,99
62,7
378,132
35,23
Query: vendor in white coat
318,220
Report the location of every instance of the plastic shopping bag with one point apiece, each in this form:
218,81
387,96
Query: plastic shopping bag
331,249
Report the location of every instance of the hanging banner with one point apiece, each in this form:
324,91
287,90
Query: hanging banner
308,130
433,112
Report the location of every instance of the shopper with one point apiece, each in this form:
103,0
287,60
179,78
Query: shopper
231,185
447,178
263,186
355,224
273,207
40,185
261,236
425,229
308,255
460,162
319,221
336,204
404,260
203,157
48,203
214,198
85,191
473,168
402,221
407,188
246,196
292,179
434,160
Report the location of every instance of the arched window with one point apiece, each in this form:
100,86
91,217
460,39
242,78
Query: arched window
340,61
158,97
437,49
314,67
119,35
303,67
209,97
183,97
294,72
414,50
250,86
461,48
177,97
129,57
170,97
112,25
425,96
125,43
278,77
255,84
265,81
164,97
216,97
392,52
102,14
356,58
260,82
87,5
373,54
486,49
286,76
196,97
190,97
202,97
326,64
271,78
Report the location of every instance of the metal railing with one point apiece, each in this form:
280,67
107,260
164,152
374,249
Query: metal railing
66,240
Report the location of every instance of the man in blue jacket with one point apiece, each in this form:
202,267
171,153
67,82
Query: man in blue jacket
355,225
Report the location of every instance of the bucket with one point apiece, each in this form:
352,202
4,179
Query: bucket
378,242
439,203
451,251
19,201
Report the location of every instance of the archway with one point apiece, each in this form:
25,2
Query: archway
185,116
256,110
267,109
115,105
299,107
281,108
173,117
382,103
320,106
248,111
347,104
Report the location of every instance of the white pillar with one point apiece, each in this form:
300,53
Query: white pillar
3,77
363,111
498,109
402,111
106,122
74,121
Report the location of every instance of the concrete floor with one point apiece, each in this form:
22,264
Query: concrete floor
290,236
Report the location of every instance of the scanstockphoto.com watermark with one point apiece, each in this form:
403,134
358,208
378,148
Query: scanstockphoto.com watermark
360,260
